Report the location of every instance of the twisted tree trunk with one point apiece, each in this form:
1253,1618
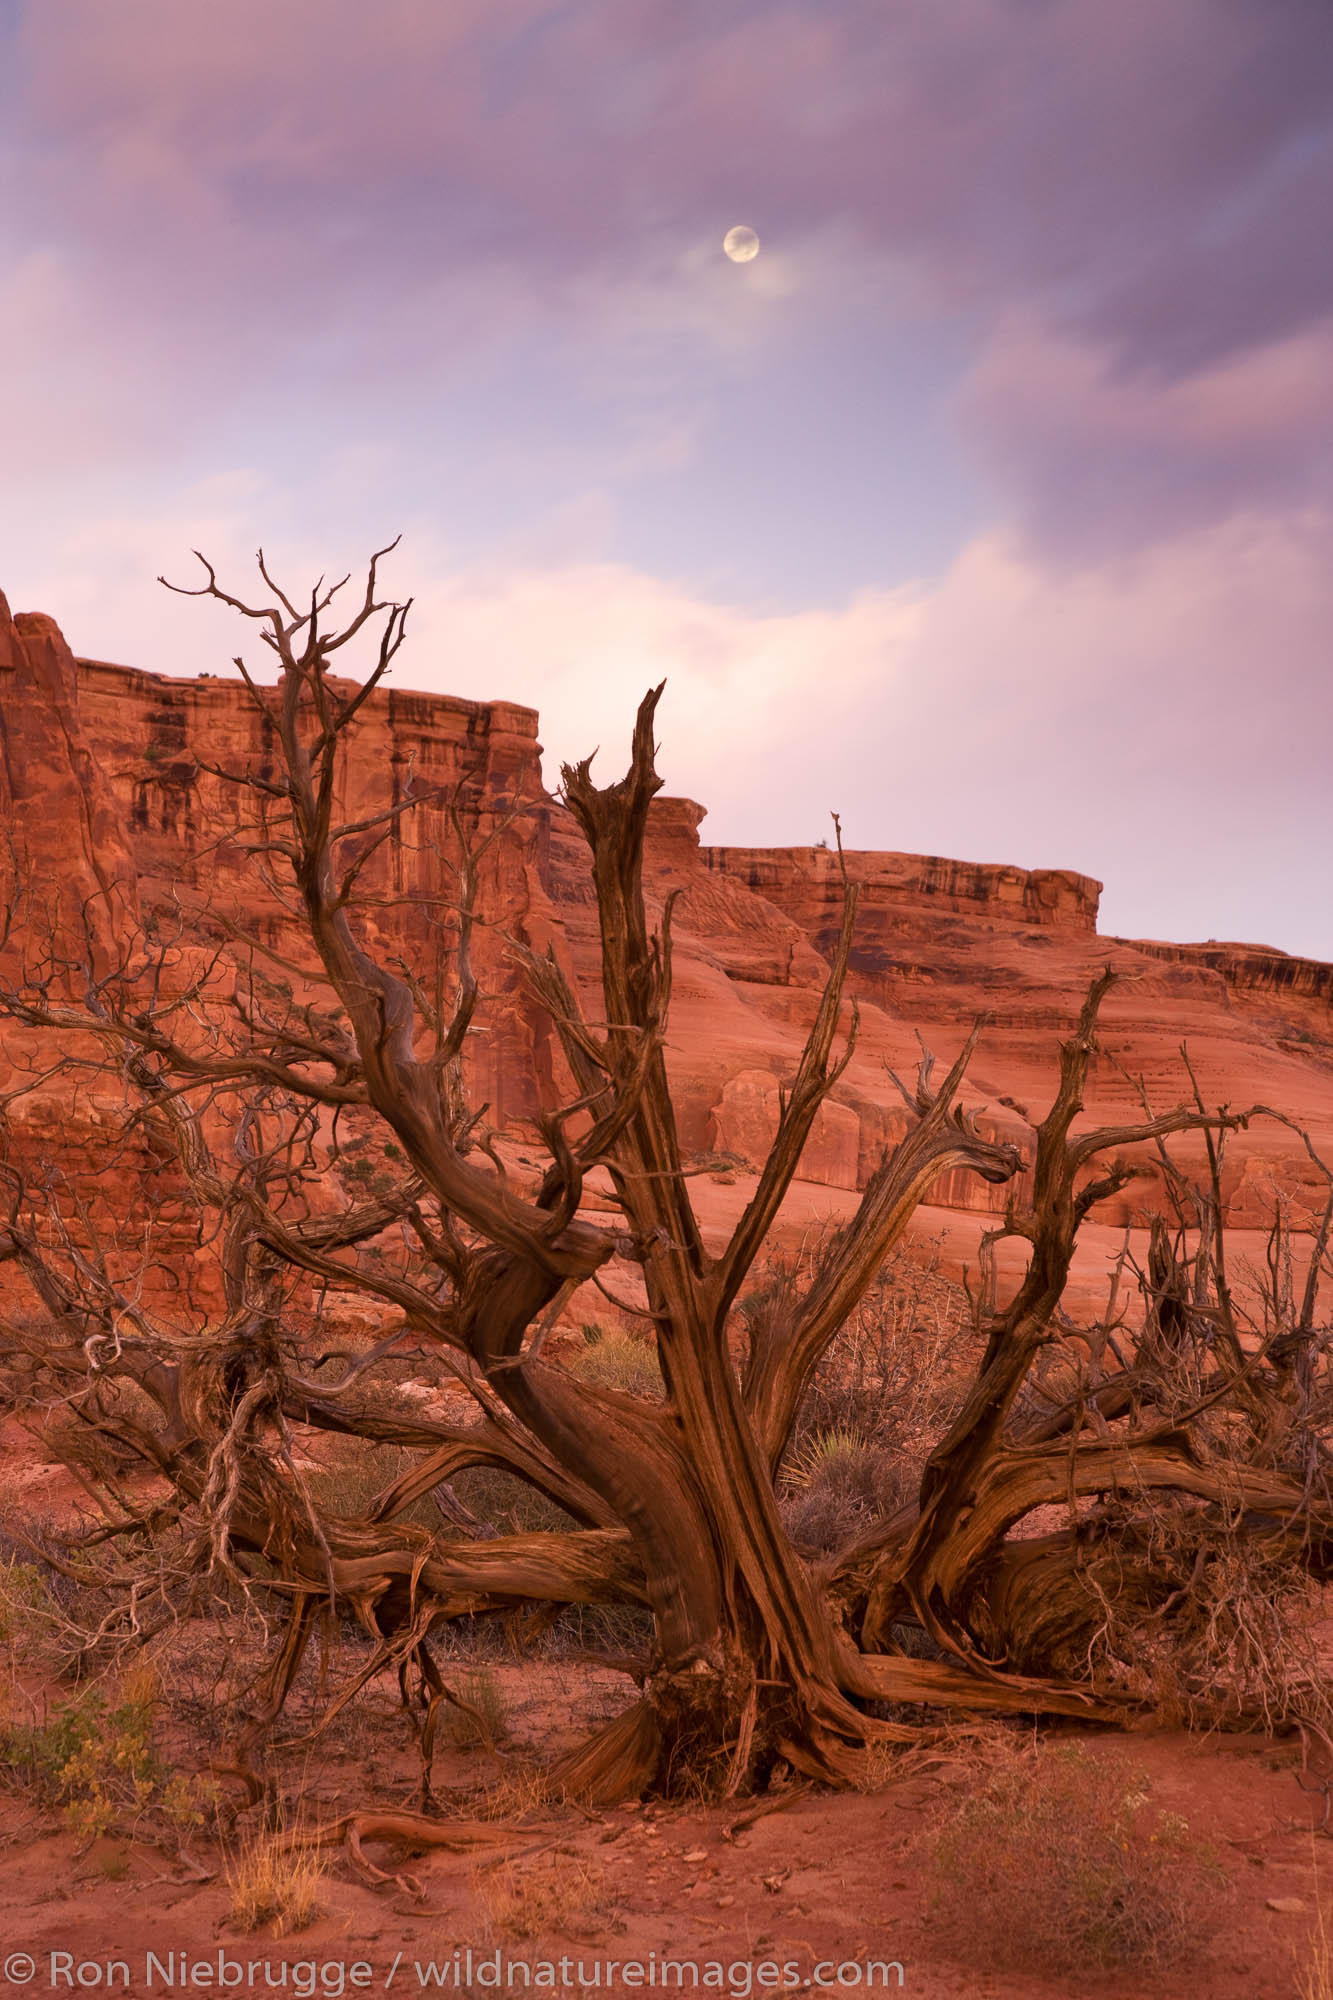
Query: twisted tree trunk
758,1658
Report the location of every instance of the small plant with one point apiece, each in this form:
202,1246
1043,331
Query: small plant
827,1454
97,1759
837,1483
882,1764
503,1505
722,1165
1055,1863
274,1882
354,1473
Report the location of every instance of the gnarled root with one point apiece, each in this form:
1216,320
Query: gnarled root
618,1762
408,1829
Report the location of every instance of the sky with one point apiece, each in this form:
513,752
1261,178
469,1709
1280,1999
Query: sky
988,506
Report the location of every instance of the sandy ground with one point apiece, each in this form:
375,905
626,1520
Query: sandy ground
831,1881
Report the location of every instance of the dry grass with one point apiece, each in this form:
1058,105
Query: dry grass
1316,1975
616,1361
354,1472
882,1765
1055,1862
483,1720
1315,1972
504,1505
554,1895
273,1883
25,1603
524,1792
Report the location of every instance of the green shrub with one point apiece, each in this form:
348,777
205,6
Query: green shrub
96,1759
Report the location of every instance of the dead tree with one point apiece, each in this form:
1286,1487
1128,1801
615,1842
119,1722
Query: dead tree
243,1073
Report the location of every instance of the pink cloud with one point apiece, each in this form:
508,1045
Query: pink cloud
1090,454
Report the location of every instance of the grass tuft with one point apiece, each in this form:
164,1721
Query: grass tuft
617,1361
274,1884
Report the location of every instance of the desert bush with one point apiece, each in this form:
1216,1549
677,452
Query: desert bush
836,1484
1055,1862
889,1380
98,1759
504,1505
897,1365
721,1166
24,1599
353,1472
208,1667
614,1629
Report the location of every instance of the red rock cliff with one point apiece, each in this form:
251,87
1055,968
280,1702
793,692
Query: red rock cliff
112,776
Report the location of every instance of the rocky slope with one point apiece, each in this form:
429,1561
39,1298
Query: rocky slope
115,779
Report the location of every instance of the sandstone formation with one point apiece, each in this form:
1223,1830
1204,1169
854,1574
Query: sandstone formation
113,781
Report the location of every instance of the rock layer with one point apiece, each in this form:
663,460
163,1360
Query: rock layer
114,783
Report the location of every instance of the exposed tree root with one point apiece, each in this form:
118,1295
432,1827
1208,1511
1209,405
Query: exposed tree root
414,1831
619,1762
459,1836
937,1684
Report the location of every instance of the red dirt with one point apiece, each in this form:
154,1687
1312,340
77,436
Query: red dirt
841,1878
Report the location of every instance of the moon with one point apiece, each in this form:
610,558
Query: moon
741,244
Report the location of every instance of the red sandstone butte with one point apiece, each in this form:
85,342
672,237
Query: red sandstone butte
108,778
